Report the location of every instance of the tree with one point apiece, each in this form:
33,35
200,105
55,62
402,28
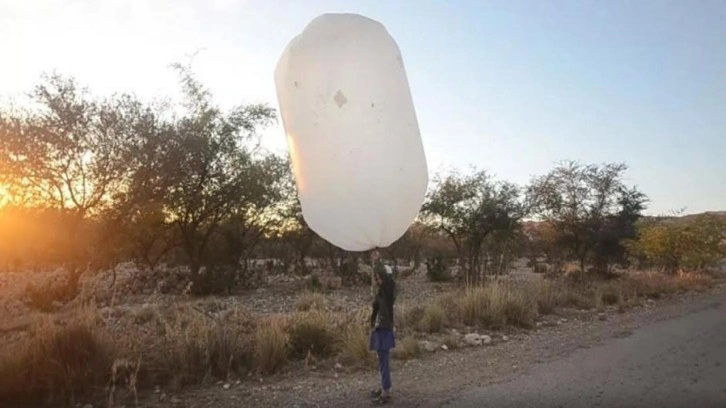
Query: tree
469,208
674,244
616,230
542,240
411,244
590,208
204,168
62,153
296,235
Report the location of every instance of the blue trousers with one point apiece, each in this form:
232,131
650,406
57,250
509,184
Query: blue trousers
382,341
384,364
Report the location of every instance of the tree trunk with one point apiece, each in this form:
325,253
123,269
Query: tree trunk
501,264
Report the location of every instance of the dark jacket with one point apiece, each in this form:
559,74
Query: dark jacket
382,317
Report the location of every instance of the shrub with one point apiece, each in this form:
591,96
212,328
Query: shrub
57,365
540,268
436,270
271,345
311,332
45,297
612,294
406,316
214,279
653,284
314,284
434,318
582,298
693,281
407,349
310,301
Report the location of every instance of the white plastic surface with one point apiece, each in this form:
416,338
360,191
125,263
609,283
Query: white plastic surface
352,132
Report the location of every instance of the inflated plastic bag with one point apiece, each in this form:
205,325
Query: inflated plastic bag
352,132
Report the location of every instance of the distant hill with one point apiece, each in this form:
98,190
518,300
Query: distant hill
530,225
689,217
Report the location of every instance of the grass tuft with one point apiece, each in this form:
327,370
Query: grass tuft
407,349
312,332
310,301
433,319
271,345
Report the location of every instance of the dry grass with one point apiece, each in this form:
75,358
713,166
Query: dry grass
58,364
355,346
615,294
312,332
406,317
548,294
452,341
694,281
497,305
655,284
582,297
478,306
271,345
433,319
519,308
310,301
452,306
652,285
407,349
196,348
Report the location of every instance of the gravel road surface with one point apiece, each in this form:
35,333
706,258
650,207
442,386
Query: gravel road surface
679,362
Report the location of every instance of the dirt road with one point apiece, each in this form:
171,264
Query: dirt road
679,362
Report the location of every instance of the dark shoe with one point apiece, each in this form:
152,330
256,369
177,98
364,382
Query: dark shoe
381,400
376,394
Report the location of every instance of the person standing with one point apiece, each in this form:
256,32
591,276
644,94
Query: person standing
382,338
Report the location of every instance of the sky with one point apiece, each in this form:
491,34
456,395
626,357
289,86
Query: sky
512,87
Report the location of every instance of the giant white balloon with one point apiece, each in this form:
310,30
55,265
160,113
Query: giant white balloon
352,132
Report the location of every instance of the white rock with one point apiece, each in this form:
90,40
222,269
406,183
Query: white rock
444,347
338,366
226,386
428,346
473,339
486,339
505,338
